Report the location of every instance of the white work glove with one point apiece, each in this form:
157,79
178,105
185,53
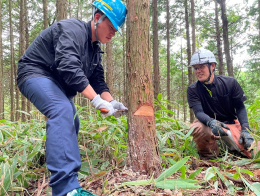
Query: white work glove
117,105
100,103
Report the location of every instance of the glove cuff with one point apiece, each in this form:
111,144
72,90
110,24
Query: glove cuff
94,99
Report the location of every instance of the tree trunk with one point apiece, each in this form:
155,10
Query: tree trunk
28,103
168,55
124,68
183,89
220,54
188,51
142,147
61,7
1,68
22,49
109,68
193,33
12,63
45,14
259,19
225,37
156,70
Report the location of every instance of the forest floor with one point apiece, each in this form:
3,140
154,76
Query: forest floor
108,183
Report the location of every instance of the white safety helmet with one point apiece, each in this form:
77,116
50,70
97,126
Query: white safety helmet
202,56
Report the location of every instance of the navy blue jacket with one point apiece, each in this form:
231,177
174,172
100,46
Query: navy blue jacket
227,95
65,54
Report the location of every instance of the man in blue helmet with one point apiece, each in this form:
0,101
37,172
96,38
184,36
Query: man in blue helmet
63,60
217,102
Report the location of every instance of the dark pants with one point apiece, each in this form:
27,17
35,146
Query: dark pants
62,151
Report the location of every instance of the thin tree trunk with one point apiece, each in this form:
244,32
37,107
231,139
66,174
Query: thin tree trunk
168,55
109,68
124,68
259,19
220,54
61,7
1,68
183,89
22,48
156,70
193,32
142,147
188,51
28,103
45,14
225,37
12,63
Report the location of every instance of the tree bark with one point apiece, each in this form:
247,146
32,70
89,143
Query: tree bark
12,63
193,32
156,70
188,51
61,7
1,67
22,49
142,147
183,89
45,14
259,19
220,54
225,37
168,55
28,103
109,68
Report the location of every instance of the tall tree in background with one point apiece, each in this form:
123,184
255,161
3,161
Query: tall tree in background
193,36
258,1
22,49
1,67
168,54
26,22
156,70
188,51
12,63
45,14
225,37
142,147
218,38
61,7
109,67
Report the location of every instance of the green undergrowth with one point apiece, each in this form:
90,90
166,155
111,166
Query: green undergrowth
103,147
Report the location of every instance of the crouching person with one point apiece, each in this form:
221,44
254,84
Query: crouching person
217,102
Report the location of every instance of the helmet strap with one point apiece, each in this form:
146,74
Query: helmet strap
98,22
208,79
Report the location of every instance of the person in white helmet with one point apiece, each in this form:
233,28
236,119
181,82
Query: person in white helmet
63,60
217,102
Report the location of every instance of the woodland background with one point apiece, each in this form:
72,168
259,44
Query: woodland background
230,29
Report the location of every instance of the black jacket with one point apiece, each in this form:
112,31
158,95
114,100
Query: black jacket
65,54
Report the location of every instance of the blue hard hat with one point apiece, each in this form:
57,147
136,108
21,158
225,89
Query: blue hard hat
115,10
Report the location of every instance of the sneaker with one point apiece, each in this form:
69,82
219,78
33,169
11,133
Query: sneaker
79,192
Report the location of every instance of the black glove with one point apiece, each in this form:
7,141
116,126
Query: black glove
216,127
245,138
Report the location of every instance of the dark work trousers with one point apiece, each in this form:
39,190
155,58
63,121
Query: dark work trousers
62,150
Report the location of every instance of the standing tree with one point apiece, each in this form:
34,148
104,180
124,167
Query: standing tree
156,70
21,51
188,51
220,54
1,68
225,37
12,63
142,147
45,14
109,67
61,7
168,55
